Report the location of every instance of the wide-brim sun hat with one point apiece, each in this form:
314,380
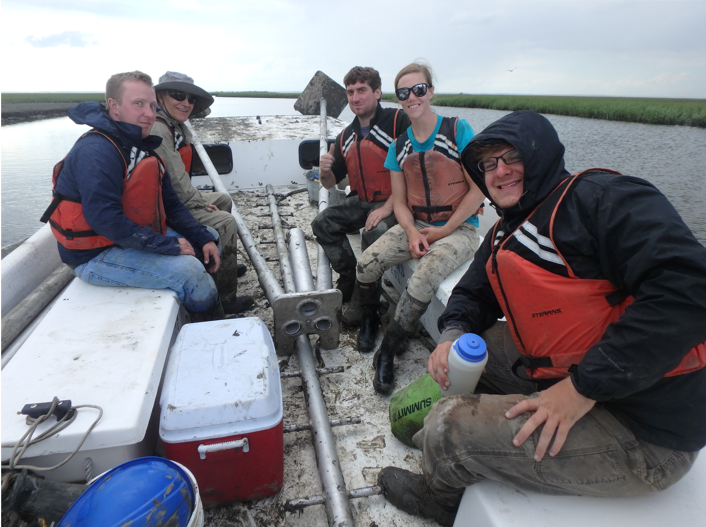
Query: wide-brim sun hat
173,80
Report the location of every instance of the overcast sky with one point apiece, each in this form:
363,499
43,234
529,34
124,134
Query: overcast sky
569,47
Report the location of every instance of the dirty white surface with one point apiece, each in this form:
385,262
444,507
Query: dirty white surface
363,449
266,127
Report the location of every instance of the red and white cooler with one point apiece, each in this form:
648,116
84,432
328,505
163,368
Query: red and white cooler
221,409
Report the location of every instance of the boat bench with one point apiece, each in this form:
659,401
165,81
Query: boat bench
493,504
104,346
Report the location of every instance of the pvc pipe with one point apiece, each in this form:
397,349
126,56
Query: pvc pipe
27,310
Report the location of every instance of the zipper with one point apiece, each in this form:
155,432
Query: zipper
425,180
360,166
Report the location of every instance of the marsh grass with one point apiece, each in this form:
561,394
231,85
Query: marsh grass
15,98
684,112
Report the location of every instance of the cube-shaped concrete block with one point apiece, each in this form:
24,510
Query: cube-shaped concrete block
321,85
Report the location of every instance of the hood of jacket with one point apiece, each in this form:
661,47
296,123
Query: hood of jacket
94,114
542,156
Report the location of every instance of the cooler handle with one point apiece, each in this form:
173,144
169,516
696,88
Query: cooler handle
217,447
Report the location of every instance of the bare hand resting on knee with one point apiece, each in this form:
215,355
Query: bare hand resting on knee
559,408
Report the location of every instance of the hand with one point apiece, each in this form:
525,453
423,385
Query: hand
418,244
185,247
433,234
376,217
211,208
439,364
326,160
558,407
210,252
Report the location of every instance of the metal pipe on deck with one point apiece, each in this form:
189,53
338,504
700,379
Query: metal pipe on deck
284,262
268,281
324,278
338,507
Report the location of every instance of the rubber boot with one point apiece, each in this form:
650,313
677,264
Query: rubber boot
369,295
352,314
409,311
409,492
239,305
346,284
215,313
384,360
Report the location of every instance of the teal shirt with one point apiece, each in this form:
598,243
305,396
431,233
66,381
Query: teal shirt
464,134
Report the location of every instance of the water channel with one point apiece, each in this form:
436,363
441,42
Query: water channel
673,158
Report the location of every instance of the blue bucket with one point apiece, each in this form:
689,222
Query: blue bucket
144,492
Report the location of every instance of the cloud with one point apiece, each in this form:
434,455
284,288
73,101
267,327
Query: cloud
73,39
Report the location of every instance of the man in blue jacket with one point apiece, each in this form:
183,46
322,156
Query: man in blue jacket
115,214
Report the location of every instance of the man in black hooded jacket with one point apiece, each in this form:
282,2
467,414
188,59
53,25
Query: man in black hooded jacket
601,359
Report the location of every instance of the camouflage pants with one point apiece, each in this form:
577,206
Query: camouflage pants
224,223
444,257
467,438
332,224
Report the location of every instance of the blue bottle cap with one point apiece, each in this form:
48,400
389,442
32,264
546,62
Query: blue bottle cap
471,347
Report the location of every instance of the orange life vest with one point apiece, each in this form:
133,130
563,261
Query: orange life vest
436,183
365,158
554,316
185,151
142,203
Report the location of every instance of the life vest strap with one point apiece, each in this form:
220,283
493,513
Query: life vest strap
432,210
71,234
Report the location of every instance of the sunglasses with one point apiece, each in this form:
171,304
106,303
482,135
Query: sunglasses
419,90
180,96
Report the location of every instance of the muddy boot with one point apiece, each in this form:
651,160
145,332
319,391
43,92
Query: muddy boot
241,269
227,276
352,314
369,295
215,313
384,360
239,305
409,311
346,284
410,493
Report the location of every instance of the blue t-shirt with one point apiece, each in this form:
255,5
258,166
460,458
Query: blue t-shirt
464,134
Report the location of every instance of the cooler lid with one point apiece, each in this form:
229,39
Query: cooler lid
222,379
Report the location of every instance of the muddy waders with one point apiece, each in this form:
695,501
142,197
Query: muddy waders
369,295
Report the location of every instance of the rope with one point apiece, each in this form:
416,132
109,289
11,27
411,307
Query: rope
26,440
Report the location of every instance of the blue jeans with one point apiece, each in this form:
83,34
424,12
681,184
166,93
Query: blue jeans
185,275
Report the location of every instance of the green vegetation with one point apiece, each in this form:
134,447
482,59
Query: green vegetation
684,112
257,94
14,98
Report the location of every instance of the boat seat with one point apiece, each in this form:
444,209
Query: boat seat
493,504
104,346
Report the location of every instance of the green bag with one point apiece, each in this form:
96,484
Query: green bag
409,406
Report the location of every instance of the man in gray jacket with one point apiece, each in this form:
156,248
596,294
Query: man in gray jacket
178,99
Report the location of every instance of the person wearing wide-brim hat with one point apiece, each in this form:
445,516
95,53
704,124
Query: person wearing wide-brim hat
179,98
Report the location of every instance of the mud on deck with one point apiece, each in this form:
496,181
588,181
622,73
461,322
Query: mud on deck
363,449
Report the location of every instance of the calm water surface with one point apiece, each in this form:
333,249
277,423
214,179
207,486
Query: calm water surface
673,158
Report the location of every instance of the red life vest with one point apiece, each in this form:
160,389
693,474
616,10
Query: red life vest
185,151
554,316
365,158
436,183
142,203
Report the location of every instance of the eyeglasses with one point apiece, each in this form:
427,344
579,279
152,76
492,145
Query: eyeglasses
510,157
419,90
180,96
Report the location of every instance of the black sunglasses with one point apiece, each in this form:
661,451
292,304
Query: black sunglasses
419,90
180,96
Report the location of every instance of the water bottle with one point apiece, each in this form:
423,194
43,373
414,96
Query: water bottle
467,359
